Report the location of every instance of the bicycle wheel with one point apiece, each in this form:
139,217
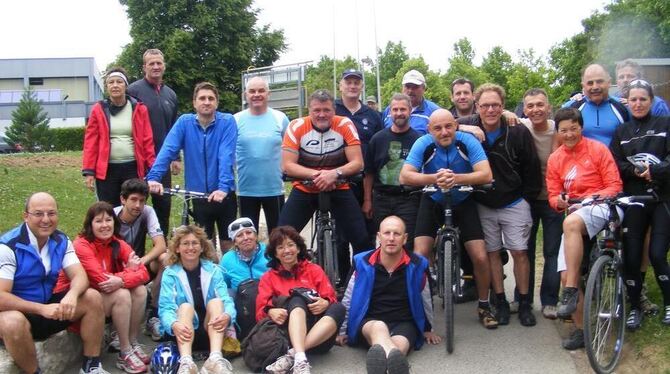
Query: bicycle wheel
604,315
327,253
447,265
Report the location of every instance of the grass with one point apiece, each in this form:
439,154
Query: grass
59,174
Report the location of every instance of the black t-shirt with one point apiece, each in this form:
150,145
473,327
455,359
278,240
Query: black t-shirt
386,155
389,301
194,283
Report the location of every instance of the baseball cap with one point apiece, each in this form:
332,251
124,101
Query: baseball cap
352,73
371,98
238,225
413,77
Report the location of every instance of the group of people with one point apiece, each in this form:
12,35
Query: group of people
538,165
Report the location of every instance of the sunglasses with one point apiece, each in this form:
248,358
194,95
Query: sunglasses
639,83
243,224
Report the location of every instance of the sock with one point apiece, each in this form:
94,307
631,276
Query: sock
153,312
501,297
215,354
524,298
484,304
39,371
300,356
186,358
90,362
125,353
291,352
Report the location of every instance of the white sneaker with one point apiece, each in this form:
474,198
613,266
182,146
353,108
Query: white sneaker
95,370
153,329
114,345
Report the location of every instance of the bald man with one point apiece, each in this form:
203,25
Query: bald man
260,130
388,302
602,113
33,301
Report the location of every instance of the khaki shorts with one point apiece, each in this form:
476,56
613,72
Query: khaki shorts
507,228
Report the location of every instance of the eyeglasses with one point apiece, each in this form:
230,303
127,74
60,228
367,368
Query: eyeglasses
193,243
639,83
40,214
485,107
244,224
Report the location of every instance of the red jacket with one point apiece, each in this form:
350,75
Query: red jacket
585,170
96,258
275,282
97,142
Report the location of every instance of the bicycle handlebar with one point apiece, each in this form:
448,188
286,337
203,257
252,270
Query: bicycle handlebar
616,200
460,188
177,191
342,180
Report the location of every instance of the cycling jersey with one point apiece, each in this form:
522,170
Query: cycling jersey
460,157
320,150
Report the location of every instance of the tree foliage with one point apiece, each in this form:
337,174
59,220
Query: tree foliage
211,40
30,124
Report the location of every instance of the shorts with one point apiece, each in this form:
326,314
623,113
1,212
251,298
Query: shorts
431,216
42,327
507,228
336,311
595,218
406,329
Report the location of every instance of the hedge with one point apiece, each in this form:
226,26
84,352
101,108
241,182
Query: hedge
67,139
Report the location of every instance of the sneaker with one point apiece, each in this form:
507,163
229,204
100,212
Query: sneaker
397,363
217,365
502,312
153,328
138,350
634,320
526,316
666,316
130,363
647,306
114,345
549,311
187,368
469,292
574,341
487,319
283,365
302,367
95,370
376,360
568,303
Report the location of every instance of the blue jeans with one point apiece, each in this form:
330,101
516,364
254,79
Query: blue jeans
552,229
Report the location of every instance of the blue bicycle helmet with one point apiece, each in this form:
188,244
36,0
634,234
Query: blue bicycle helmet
165,359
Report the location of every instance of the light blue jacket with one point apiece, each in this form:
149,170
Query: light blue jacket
175,291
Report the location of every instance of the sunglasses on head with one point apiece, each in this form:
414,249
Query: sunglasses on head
639,83
244,224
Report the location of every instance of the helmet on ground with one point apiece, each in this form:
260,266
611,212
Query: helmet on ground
165,359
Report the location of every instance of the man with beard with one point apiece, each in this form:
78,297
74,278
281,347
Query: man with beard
387,151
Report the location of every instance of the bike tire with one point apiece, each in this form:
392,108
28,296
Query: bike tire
604,315
329,257
449,299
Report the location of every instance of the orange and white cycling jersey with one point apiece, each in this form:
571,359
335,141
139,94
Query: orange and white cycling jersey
320,150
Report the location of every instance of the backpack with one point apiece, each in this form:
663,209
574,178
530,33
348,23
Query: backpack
265,343
245,303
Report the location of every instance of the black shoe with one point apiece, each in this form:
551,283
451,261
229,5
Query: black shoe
574,341
397,363
376,360
634,320
469,292
666,316
502,312
526,316
568,303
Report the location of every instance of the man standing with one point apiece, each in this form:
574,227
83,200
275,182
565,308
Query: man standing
162,104
387,151
388,302
628,71
601,113
33,305
208,138
462,96
367,122
537,110
504,211
371,101
414,86
258,155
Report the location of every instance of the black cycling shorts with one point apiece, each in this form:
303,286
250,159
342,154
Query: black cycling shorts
403,328
42,327
466,218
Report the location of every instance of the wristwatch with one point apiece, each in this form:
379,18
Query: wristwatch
339,173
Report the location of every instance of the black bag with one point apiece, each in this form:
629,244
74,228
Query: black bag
245,304
265,343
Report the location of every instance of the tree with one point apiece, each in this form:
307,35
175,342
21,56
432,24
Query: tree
498,66
202,41
391,60
529,72
461,65
30,124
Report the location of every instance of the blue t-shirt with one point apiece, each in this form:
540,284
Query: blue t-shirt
258,153
600,120
461,156
491,136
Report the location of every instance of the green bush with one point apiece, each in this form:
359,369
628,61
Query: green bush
67,139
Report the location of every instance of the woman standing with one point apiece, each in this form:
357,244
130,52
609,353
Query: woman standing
645,139
118,141
194,306
114,270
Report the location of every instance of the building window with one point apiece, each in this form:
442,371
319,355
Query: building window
36,81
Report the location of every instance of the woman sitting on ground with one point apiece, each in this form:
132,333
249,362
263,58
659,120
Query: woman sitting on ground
312,326
194,306
117,272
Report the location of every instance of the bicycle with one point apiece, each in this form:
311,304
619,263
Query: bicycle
604,297
185,196
448,258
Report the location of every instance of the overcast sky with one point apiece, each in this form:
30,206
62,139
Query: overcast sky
99,28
